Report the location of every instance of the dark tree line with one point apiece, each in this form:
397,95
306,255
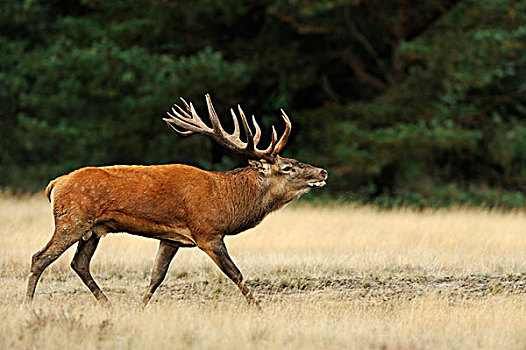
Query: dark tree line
404,102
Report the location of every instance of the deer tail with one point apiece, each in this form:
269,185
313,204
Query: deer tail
49,188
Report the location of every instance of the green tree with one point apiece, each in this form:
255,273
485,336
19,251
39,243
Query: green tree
404,102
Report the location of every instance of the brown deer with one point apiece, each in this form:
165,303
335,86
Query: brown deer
180,205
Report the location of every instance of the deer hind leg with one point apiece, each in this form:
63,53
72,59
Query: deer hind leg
80,264
65,236
163,258
217,251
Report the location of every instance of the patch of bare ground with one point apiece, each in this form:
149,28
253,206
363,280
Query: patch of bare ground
371,289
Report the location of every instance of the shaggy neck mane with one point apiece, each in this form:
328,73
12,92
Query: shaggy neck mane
247,193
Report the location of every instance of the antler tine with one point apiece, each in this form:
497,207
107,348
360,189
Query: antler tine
195,118
257,136
185,104
250,136
270,148
186,115
284,138
180,132
236,124
216,124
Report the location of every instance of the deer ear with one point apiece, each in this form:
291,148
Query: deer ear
261,166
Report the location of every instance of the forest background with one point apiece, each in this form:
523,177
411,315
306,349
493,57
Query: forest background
406,103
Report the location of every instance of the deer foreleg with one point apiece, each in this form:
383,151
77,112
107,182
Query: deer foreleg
163,258
219,254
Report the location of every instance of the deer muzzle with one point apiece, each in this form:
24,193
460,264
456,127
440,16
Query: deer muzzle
324,175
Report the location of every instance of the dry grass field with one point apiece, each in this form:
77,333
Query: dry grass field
328,277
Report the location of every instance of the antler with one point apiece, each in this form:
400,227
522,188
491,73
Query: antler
191,123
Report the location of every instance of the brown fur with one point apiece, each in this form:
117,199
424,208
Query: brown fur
180,205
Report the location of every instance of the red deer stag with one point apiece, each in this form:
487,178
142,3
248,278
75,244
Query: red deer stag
177,204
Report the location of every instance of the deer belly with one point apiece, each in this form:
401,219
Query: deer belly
145,227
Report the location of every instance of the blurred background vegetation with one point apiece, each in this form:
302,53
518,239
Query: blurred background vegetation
419,103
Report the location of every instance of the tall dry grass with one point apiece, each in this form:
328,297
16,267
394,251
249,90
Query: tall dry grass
292,247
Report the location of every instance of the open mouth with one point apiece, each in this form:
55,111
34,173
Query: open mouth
317,184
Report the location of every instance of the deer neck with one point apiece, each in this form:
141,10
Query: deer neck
251,198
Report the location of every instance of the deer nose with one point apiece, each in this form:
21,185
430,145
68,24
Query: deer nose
324,173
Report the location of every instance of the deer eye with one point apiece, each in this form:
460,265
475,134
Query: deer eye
288,169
